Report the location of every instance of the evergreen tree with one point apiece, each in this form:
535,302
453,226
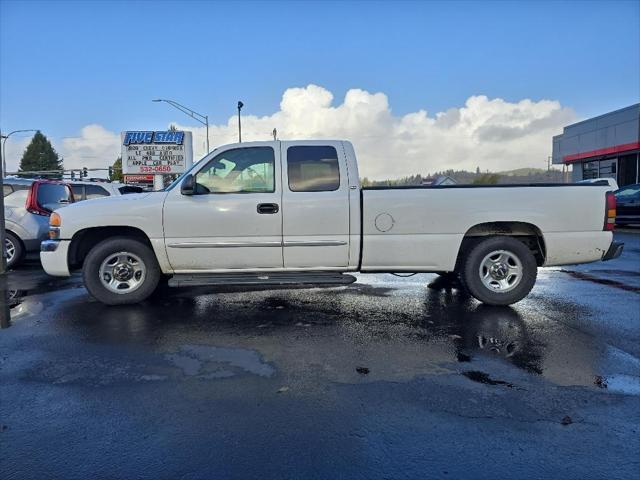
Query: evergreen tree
487,179
116,176
40,155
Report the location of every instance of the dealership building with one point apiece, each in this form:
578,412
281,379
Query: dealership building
607,146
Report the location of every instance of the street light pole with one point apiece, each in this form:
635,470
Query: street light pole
203,119
240,105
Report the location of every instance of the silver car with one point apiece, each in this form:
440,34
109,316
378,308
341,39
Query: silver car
28,204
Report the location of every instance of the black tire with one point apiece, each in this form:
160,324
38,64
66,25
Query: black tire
472,279
109,247
18,250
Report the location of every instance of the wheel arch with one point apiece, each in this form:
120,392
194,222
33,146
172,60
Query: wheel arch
84,240
12,232
527,233
22,245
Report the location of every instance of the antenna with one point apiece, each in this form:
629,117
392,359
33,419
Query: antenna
275,134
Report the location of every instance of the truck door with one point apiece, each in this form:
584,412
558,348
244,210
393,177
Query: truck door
234,221
315,199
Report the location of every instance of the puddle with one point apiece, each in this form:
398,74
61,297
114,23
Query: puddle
601,281
625,384
205,361
482,377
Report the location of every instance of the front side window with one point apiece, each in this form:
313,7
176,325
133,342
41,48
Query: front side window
241,170
313,169
94,191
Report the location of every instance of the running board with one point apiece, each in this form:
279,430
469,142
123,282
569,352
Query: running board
275,278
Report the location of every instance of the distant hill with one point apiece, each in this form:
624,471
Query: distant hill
464,177
519,172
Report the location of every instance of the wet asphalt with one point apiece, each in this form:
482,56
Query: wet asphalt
384,378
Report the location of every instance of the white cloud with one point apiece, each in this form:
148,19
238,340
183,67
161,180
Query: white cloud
96,147
490,133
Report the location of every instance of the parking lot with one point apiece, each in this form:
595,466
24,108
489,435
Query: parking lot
384,378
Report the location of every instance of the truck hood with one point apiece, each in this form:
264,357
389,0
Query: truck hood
138,210
119,200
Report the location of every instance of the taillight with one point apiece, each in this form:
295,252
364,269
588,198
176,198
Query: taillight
32,204
610,212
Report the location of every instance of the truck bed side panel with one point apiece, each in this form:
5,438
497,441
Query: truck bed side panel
422,229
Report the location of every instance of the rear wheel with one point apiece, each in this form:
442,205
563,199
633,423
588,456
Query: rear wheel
499,271
120,271
13,248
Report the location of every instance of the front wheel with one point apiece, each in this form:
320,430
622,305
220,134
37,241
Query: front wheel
499,271
120,271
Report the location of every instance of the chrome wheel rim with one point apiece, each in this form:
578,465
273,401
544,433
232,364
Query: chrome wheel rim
122,272
501,271
10,250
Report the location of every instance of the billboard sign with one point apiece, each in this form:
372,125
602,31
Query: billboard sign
156,153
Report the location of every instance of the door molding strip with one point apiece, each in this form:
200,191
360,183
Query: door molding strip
224,244
290,243
314,243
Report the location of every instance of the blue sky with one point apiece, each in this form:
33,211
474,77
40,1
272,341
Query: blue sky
64,65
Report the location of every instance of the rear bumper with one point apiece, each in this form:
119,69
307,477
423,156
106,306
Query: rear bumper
32,245
615,250
53,256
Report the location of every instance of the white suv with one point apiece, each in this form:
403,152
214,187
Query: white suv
86,190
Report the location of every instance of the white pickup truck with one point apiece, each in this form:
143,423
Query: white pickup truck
294,213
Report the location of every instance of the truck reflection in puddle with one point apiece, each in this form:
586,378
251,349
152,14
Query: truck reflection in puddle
483,329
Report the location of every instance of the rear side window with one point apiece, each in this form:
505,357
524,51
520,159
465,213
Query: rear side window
313,168
78,192
53,195
94,191
8,189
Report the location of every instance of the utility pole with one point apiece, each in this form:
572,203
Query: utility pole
3,256
240,105
5,314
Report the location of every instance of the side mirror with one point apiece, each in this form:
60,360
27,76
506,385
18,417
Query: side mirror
188,185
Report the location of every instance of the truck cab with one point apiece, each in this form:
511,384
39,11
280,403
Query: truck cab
267,205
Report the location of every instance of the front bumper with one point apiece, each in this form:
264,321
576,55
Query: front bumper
615,250
53,256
